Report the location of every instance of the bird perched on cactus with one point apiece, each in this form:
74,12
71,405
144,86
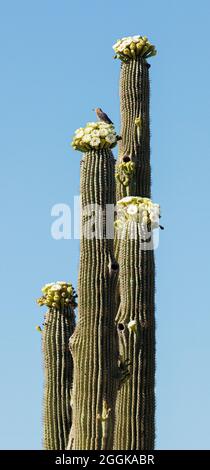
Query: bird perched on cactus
102,116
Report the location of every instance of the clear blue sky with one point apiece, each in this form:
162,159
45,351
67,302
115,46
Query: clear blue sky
56,65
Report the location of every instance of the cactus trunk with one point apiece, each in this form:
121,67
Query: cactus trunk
93,344
58,369
135,406
135,401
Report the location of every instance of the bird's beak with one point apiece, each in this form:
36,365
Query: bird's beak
93,109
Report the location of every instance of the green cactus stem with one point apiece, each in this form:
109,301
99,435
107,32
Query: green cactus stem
135,405
93,344
58,326
135,123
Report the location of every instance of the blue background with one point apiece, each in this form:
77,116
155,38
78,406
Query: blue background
56,65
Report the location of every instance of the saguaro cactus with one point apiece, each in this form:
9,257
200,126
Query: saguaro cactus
113,344
93,343
135,406
59,324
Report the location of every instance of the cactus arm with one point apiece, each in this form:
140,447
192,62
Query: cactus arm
59,325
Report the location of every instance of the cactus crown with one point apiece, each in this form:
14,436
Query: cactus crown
94,135
139,209
58,294
133,46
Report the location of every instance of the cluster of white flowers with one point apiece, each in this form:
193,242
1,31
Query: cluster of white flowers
93,136
58,293
139,209
133,46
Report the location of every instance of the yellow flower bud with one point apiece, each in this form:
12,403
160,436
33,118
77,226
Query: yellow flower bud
133,45
56,297
38,328
127,51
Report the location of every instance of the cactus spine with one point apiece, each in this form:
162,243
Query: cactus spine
93,343
59,324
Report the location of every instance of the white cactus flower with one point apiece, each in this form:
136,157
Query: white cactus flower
78,130
143,207
103,124
56,287
86,138
92,124
136,38
95,142
116,44
103,132
121,47
79,134
47,286
132,209
127,42
88,130
95,133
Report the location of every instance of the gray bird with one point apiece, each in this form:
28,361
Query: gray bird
102,116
